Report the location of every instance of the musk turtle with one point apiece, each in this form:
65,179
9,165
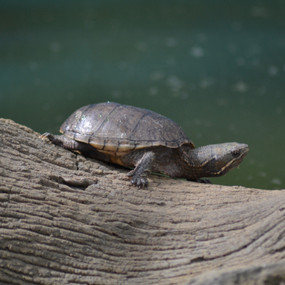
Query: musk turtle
145,141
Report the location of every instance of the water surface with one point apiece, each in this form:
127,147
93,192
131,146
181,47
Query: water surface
215,67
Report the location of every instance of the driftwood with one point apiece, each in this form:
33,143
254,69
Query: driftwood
67,219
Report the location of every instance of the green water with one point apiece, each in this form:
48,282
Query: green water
215,67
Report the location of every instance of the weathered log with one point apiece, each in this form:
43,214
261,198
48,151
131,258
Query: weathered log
67,219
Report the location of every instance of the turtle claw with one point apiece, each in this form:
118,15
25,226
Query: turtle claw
138,181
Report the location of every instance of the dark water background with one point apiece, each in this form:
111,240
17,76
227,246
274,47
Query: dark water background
215,67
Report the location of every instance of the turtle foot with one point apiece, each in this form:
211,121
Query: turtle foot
139,174
46,136
138,180
57,140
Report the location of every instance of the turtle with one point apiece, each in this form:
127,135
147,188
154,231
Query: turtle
143,141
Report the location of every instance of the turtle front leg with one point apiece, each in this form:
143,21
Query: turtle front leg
143,166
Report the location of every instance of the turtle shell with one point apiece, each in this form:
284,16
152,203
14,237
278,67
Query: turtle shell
115,128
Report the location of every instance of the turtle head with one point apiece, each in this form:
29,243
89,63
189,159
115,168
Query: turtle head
216,159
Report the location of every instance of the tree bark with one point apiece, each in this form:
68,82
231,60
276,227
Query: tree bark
67,219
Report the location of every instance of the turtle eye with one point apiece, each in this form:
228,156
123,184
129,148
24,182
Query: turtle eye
236,153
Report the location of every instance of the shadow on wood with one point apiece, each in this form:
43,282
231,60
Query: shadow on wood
66,219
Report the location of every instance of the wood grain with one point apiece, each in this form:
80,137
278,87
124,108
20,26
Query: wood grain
67,219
